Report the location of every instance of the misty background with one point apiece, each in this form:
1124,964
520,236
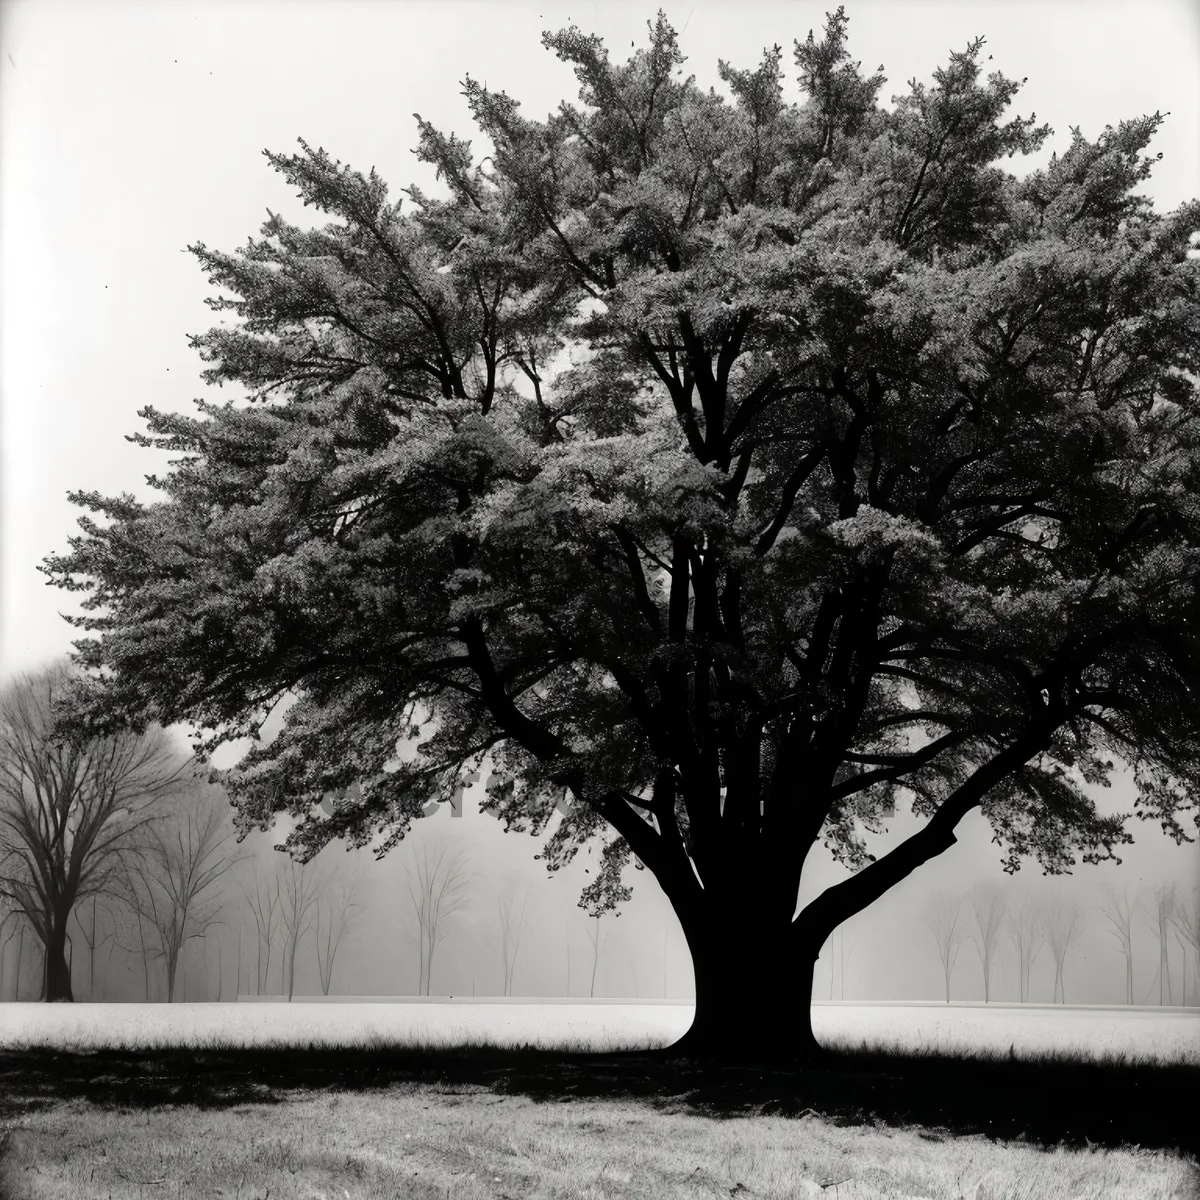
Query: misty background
888,952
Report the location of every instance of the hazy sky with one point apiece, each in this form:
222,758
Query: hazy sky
129,130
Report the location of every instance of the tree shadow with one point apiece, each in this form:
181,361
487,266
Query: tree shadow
1050,1100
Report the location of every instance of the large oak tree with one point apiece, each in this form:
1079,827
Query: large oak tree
739,465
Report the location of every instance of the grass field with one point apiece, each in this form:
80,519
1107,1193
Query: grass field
466,1143
271,1102
1170,1035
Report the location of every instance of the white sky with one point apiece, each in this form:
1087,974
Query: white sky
128,130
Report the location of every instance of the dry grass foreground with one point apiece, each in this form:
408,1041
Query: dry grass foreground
464,1142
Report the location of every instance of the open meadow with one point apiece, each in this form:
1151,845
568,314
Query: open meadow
1027,1030
468,1143
358,1101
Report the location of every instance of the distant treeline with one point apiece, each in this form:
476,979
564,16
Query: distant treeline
1010,927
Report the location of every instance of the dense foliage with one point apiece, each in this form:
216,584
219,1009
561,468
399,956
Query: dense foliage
740,465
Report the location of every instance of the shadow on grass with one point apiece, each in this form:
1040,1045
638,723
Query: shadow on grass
1050,1100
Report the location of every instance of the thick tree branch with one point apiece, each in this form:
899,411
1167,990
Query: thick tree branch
896,765
824,914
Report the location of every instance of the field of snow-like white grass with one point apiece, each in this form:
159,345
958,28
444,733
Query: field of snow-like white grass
1163,1035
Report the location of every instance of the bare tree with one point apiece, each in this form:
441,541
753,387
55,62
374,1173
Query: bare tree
1064,924
944,917
220,965
1118,908
299,888
439,886
131,926
1026,933
598,944
12,922
263,898
1157,908
338,907
21,923
176,867
87,922
989,905
1186,920
69,808
511,908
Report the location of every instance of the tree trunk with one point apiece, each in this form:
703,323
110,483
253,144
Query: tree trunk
20,955
145,956
57,973
1164,969
753,995
172,969
291,969
92,956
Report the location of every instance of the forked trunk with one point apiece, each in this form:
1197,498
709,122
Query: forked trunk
753,995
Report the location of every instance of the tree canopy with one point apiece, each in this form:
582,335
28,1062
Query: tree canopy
740,465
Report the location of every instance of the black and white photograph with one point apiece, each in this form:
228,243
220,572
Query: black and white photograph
599,601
